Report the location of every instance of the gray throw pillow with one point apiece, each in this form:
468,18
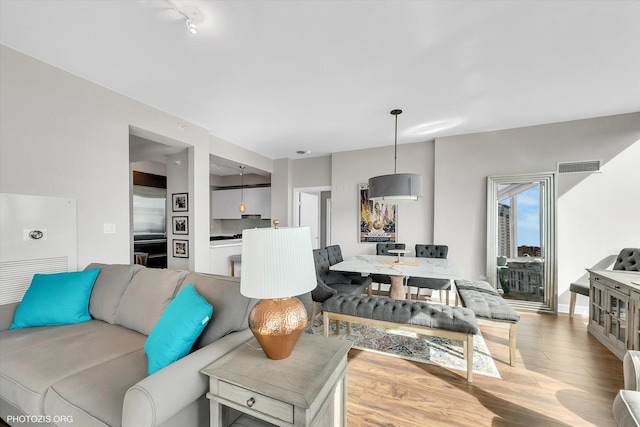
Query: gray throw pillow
146,297
107,292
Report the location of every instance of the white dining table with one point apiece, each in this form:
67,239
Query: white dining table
399,269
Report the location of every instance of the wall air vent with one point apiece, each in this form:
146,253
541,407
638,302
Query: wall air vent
589,166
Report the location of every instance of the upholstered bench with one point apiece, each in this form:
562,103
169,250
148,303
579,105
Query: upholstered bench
457,323
486,303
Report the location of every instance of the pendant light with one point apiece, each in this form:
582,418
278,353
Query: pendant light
242,207
399,187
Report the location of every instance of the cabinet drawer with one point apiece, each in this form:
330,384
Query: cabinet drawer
611,284
256,401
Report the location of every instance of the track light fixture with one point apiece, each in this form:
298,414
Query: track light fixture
192,27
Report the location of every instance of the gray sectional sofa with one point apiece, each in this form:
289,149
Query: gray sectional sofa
95,373
626,405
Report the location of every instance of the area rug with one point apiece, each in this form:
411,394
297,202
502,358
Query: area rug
406,345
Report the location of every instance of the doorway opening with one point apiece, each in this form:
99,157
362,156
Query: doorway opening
312,208
521,239
150,202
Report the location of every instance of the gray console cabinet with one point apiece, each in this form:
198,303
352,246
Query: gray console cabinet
614,309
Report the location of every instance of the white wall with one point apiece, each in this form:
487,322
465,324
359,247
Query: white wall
150,166
350,168
299,173
597,213
64,136
311,172
281,191
240,155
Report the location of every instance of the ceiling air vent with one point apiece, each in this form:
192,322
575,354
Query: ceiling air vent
579,167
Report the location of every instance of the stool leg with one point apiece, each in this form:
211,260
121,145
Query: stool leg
447,296
348,328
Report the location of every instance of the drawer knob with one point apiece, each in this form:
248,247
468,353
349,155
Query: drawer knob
250,402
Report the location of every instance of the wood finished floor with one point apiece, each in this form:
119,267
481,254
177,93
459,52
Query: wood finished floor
563,377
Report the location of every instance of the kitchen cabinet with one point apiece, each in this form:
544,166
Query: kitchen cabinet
225,203
614,309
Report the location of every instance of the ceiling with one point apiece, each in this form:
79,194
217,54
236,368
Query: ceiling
276,77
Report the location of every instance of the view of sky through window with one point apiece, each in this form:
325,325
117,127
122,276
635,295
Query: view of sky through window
529,217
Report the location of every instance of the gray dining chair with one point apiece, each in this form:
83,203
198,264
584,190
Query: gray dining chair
335,256
430,251
628,259
383,249
331,282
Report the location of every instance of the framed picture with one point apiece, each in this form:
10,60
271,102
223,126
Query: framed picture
180,248
180,224
378,221
180,202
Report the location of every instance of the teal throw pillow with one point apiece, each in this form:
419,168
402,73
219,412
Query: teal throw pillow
56,299
179,327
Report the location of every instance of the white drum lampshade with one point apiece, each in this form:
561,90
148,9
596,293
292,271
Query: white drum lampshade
277,265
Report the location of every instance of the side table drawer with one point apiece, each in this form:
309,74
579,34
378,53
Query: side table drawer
256,401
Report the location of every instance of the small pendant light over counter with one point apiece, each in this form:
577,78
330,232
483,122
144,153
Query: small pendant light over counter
398,187
242,207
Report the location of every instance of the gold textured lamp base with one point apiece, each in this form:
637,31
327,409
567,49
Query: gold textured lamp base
277,324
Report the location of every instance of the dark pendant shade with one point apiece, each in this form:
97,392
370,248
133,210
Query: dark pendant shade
395,188
399,187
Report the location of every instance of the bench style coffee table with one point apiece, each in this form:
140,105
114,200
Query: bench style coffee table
400,268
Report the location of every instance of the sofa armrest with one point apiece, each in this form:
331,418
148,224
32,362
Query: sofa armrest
160,396
631,368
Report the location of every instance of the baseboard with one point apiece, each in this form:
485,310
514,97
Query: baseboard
581,310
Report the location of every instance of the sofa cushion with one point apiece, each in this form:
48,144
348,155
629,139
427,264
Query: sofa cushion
230,307
56,299
179,327
33,359
146,298
109,288
95,396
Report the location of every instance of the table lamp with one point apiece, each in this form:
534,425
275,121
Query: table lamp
277,265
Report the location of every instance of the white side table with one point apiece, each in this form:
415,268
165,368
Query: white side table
309,388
